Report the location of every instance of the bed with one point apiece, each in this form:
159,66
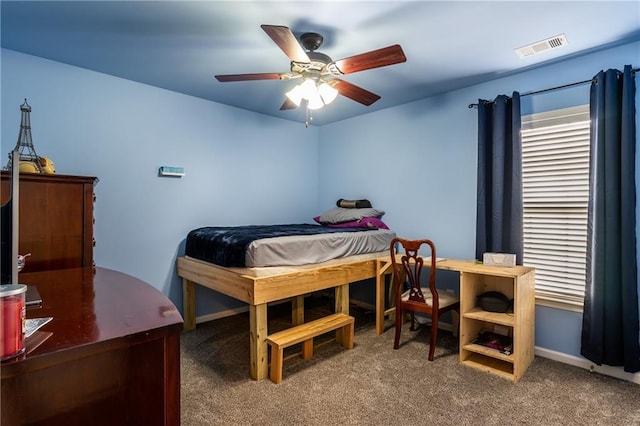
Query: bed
260,285
282,245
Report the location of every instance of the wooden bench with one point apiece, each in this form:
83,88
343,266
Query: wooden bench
305,333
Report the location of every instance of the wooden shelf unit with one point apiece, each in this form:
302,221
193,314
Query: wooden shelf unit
517,283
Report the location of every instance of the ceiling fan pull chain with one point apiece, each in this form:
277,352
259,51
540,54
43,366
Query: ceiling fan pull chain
309,117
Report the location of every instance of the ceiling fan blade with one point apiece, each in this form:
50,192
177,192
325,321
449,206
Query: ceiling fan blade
246,77
365,61
285,39
288,104
354,92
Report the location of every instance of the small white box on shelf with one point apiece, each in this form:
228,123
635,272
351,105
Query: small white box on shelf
499,259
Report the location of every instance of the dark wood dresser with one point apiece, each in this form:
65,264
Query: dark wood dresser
56,220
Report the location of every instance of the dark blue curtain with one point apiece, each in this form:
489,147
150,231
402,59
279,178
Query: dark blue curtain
610,329
499,214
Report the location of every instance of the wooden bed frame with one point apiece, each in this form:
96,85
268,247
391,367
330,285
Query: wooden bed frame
259,286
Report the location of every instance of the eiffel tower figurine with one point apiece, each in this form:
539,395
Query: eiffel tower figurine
25,142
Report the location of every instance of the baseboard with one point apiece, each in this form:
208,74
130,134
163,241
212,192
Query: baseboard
420,319
221,314
441,325
363,305
231,312
242,309
616,372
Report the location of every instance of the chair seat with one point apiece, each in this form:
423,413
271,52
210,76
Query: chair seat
444,297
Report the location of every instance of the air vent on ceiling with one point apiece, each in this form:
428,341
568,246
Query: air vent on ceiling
541,46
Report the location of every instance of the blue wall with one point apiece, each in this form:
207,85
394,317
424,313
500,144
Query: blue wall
418,163
415,161
241,167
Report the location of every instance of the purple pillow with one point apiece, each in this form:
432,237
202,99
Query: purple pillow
373,222
365,222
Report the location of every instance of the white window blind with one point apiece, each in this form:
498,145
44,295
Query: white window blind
555,174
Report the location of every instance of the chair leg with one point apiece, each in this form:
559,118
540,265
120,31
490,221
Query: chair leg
434,336
399,320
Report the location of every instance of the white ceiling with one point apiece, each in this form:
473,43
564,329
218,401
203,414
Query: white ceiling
181,45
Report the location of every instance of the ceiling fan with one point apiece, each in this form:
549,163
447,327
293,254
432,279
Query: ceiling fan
317,69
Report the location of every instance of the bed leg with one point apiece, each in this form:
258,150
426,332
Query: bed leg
297,310
380,305
383,267
189,304
258,341
342,306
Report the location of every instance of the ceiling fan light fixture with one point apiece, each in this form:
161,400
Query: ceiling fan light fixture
295,95
308,88
315,100
316,96
327,93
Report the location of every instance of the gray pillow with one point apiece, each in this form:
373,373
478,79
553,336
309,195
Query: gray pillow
339,214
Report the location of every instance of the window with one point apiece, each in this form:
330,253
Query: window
555,174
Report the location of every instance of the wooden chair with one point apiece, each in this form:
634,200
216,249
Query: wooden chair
426,300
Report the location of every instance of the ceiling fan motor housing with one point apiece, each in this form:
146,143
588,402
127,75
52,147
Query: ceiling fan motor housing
311,41
319,57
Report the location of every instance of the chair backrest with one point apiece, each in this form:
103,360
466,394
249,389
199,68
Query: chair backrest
408,258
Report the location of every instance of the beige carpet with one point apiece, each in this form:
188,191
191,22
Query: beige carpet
374,384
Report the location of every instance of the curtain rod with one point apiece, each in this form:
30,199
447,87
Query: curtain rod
564,86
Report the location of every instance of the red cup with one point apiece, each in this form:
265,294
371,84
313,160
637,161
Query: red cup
13,316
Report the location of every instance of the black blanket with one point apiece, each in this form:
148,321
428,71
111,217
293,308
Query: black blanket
227,246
